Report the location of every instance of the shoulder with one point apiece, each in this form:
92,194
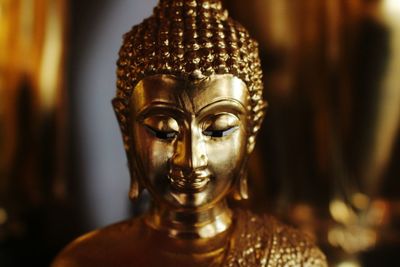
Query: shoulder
291,245
102,247
262,240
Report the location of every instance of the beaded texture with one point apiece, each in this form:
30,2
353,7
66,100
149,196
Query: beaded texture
191,39
264,242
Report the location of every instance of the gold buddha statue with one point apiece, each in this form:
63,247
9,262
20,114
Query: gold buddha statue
189,103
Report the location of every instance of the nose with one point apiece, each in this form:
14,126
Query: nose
190,151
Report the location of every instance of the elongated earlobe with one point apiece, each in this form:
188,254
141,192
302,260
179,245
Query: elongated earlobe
240,191
250,144
135,189
243,187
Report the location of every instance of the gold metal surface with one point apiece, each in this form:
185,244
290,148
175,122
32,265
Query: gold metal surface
192,39
189,103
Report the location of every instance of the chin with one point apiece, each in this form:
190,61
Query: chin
194,200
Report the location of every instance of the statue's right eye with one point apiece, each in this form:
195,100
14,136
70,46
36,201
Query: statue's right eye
161,134
162,127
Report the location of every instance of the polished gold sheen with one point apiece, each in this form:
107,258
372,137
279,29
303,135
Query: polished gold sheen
189,103
192,40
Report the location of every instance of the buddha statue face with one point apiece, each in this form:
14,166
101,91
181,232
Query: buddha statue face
189,102
190,137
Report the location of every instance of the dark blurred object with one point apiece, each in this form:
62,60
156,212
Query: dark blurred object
330,146
33,205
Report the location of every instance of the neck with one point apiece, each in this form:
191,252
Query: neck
191,224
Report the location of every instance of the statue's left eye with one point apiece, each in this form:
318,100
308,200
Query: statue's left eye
219,133
220,125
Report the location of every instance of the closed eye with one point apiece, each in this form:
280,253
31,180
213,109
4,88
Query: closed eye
161,134
220,133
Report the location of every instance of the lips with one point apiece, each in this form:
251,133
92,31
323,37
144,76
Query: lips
194,182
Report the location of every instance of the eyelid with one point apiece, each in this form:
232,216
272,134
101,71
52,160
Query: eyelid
161,123
230,130
220,125
161,134
228,104
228,120
221,133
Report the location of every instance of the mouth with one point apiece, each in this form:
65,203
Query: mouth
195,182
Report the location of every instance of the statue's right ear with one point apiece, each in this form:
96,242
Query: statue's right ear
136,188
120,108
135,174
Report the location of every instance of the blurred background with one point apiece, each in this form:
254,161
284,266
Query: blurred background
328,155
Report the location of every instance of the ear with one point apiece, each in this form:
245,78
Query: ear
258,118
134,171
251,144
135,189
240,189
120,108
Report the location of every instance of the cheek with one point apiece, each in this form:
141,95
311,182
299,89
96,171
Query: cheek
152,154
225,156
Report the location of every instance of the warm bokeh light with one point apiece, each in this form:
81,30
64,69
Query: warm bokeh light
353,238
52,55
341,212
348,264
360,201
392,7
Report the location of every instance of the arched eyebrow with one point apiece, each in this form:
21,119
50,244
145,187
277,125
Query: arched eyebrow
226,104
159,108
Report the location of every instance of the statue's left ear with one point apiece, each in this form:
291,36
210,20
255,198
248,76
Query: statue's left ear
259,114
